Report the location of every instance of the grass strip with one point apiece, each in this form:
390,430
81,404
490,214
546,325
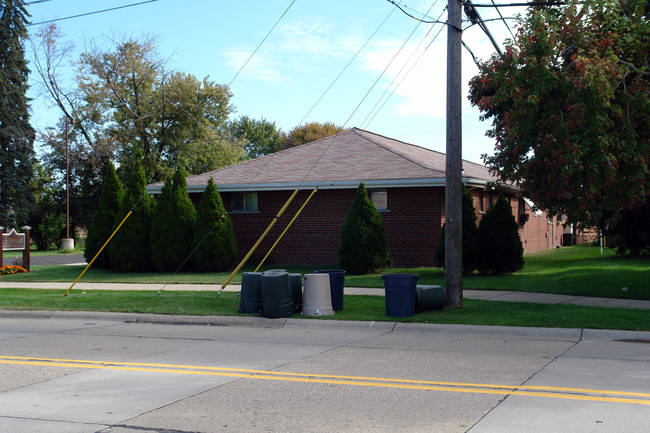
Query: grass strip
356,308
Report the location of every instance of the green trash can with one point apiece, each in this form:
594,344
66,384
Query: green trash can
277,300
400,294
430,298
250,301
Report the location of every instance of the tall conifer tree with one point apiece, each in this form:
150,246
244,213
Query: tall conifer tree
129,251
214,238
16,133
172,227
102,226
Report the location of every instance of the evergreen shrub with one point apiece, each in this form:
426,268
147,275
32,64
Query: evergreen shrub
364,245
500,245
214,238
102,224
471,253
172,226
129,250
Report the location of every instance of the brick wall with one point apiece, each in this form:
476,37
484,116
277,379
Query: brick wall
412,221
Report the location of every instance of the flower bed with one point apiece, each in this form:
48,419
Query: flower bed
13,269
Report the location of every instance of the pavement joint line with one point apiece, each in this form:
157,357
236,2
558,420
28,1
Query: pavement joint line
532,391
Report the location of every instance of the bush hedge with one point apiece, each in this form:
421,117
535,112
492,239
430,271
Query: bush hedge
364,245
102,224
501,249
129,251
214,244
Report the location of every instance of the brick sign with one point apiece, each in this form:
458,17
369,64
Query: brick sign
13,241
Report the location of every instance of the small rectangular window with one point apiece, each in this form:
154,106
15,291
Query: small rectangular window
379,198
244,201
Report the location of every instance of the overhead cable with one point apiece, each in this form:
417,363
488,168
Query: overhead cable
388,65
346,66
503,19
258,47
92,13
414,17
400,72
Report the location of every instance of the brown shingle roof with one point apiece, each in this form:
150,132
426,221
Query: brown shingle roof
342,160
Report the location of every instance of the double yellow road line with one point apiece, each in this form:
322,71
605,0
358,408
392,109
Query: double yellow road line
476,388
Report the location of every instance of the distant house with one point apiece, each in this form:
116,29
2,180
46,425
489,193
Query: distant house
406,183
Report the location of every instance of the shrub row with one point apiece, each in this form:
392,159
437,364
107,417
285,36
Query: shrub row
164,235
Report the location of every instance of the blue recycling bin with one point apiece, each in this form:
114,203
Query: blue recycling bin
337,283
400,294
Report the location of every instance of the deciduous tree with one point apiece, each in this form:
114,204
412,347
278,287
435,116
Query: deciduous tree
570,102
310,132
261,136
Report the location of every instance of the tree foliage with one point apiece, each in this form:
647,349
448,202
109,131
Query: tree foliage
214,244
364,245
471,252
124,100
104,220
310,132
570,102
172,225
500,245
16,133
261,136
129,250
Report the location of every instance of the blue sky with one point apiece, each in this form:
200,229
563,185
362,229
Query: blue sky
310,46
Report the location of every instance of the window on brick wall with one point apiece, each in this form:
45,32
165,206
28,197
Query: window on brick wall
380,198
244,201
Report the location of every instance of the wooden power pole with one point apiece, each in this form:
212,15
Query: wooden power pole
454,165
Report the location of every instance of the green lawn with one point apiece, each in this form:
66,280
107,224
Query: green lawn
573,270
356,307
577,270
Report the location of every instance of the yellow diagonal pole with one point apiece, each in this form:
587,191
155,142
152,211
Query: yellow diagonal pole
287,228
98,253
259,241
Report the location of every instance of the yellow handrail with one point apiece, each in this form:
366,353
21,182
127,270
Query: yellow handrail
287,228
259,241
98,253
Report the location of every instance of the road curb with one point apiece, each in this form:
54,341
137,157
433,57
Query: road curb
569,334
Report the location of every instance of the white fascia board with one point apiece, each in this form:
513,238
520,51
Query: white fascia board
349,184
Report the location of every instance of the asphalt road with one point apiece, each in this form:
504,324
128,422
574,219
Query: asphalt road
82,372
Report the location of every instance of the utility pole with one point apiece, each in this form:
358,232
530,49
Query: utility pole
454,165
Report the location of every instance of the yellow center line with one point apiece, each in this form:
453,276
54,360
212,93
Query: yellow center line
476,388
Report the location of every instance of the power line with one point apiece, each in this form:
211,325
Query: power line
258,47
503,19
90,13
405,75
389,63
475,18
346,66
414,17
505,5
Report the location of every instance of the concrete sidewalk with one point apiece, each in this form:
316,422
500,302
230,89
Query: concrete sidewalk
486,295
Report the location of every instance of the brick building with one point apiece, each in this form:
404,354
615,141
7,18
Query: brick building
405,182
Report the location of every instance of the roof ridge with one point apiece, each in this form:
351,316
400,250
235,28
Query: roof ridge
401,155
